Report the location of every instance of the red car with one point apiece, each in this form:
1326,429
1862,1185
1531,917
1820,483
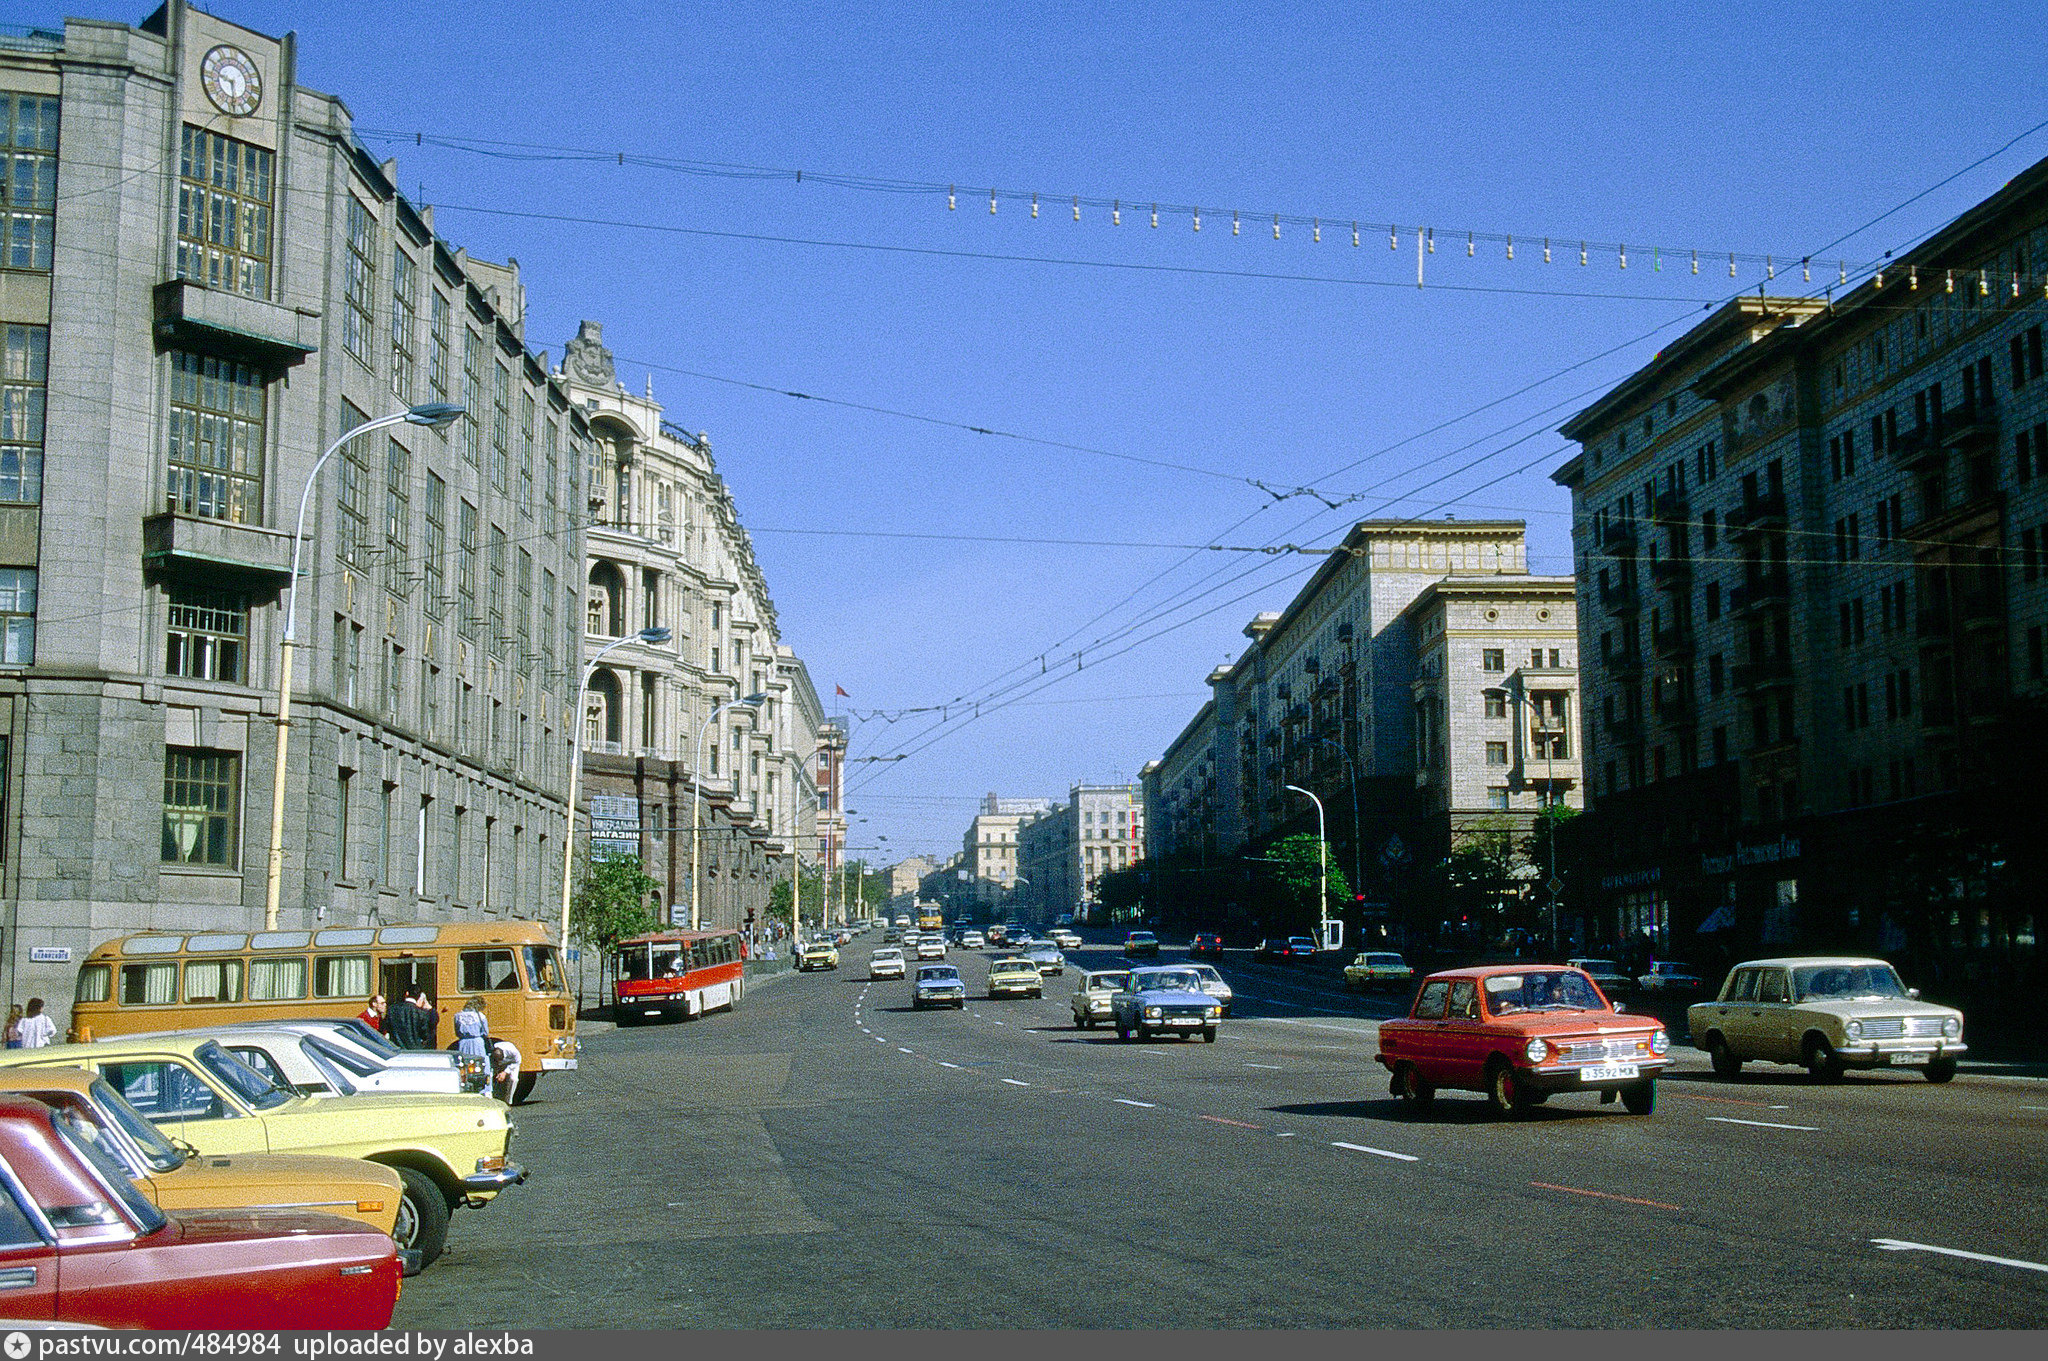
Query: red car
79,1244
1206,943
1522,1034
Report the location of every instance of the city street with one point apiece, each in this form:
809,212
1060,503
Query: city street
826,1157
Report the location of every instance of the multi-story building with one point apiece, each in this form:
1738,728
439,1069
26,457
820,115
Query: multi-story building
1099,830
989,849
1810,537
206,281
667,551
1416,684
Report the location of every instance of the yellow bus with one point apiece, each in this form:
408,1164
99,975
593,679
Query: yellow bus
931,916
136,984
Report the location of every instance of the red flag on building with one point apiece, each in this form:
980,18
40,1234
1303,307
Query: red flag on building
841,691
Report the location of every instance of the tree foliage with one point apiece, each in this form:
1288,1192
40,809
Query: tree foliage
612,902
1298,869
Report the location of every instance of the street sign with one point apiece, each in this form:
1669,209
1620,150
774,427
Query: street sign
1395,852
1556,886
49,954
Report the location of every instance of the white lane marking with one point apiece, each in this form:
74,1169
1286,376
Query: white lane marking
944,1064
1763,1124
901,1050
1901,1245
1014,1083
1285,1134
1377,1152
1274,1066
2034,1108
1155,1053
998,1022
880,1040
1271,1002
1126,1101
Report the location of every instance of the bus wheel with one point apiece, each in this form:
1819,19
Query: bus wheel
422,1215
525,1088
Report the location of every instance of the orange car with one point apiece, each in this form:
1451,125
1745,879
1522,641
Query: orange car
1522,1034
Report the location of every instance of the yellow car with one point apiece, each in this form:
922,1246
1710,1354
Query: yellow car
1009,977
448,1151
817,954
1374,969
174,1180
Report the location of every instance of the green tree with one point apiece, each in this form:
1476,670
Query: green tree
1487,876
612,902
1298,868
1552,850
1122,892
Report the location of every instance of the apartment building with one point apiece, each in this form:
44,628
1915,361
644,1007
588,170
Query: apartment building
989,850
1099,830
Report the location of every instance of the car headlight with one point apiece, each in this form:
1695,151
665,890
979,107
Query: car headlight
1854,1030
1660,1043
1213,1012
1152,1011
1536,1050
1952,1027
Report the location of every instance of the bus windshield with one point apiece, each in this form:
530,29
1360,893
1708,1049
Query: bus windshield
543,974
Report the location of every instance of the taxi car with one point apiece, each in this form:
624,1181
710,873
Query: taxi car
1829,1013
1166,1001
937,985
817,954
1521,1034
175,1180
1141,943
448,1151
1091,1000
1377,969
886,962
1013,977
87,1246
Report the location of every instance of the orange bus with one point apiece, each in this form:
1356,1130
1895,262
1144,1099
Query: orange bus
136,984
675,975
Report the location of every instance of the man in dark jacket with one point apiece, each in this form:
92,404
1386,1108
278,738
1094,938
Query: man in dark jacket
413,1021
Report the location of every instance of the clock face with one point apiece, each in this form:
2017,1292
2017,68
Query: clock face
231,80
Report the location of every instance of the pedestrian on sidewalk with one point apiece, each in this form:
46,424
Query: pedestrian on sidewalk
472,1030
36,1030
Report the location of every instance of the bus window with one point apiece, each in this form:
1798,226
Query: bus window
541,973
95,982
669,960
213,980
148,984
632,963
164,1091
277,980
488,971
341,975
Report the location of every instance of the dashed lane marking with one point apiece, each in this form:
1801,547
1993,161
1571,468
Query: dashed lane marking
1604,1195
1376,1152
1274,1066
901,1050
1126,1101
1239,1123
1763,1124
1901,1245
1015,1083
1285,1134
944,1064
1722,1100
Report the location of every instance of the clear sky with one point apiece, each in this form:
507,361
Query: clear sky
1760,129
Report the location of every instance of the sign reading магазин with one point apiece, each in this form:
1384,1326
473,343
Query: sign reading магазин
614,824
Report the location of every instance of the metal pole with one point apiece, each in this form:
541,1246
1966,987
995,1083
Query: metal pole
1323,855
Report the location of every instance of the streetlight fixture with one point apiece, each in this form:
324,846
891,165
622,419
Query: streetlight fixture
433,415
1357,844
697,799
1323,852
651,637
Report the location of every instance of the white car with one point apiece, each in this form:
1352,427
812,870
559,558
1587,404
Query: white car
371,1044
1829,1013
1213,984
886,962
1065,938
973,940
316,1065
1668,976
931,945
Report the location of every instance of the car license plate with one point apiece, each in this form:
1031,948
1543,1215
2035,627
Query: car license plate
1607,1072
1183,1020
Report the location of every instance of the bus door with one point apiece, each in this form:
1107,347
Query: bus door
397,977
493,974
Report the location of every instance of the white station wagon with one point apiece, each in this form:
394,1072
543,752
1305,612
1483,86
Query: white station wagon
1828,1013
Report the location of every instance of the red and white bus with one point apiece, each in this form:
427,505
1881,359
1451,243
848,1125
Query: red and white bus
674,975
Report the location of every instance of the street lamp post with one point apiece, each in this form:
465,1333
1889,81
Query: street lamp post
697,798
653,638
1323,853
1357,843
433,415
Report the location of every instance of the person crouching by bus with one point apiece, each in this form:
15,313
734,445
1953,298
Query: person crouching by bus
374,1014
504,1070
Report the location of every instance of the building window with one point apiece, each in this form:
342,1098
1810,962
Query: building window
216,454
200,799
224,189
348,658
435,550
359,279
28,190
465,566
397,508
405,317
341,814
501,428
527,420
522,630
1496,753
1497,799
24,385
17,616
1493,659
496,640
472,394
551,469
440,322
208,637
1496,704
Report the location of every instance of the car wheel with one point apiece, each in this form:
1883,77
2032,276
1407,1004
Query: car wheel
1503,1091
1822,1063
1940,1070
1641,1098
1724,1060
1209,1035
1409,1086
422,1223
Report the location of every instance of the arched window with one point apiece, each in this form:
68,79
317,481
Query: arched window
605,718
606,602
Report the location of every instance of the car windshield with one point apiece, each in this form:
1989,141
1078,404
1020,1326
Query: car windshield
1012,966
1540,990
368,1038
1595,965
239,1078
110,1105
1206,972
1186,980
1846,982
889,956
946,975
330,1072
1106,982
1137,936
83,1210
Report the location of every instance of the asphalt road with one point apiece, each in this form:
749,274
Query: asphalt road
826,1157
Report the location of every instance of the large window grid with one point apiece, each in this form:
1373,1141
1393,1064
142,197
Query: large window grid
465,567
551,471
28,181
216,453
359,282
397,508
501,430
24,385
440,321
496,639
200,797
17,616
522,628
436,547
547,622
224,196
472,393
208,635
405,319
526,423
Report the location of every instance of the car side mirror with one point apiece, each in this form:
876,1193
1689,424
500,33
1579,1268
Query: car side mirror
1621,1006
1913,993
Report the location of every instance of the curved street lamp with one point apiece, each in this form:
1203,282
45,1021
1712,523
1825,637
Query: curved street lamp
651,637
697,795
1323,851
433,415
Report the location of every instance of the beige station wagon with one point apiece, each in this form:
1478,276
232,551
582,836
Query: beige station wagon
1828,1013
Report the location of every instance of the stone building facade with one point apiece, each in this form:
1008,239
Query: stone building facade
988,851
1099,830
667,550
206,282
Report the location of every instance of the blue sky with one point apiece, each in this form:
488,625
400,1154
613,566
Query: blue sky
1760,129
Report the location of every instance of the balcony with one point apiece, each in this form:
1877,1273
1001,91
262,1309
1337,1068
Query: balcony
257,556
188,312
1627,731
1623,665
1670,507
1621,534
1969,425
1621,598
1677,711
1757,515
1671,574
1760,591
1763,675
1672,644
